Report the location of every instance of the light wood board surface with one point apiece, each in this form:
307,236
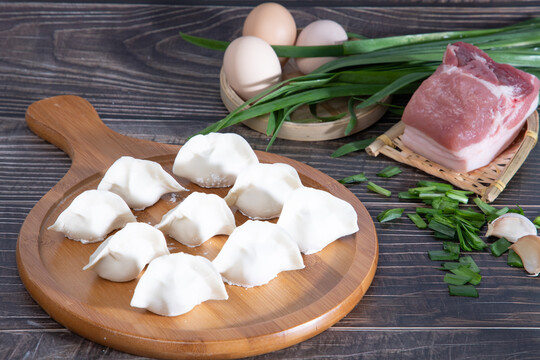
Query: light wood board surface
291,308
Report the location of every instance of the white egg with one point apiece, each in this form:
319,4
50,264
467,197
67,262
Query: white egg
251,66
320,32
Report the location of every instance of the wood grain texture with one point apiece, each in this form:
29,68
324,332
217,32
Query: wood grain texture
293,307
129,62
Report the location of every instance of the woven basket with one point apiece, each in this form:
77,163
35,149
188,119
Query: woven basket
488,181
311,131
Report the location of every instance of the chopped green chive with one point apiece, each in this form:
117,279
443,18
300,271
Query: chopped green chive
463,290
500,246
459,195
407,196
486,208
441,187
536,222
389,171
353,179
468,261
417,220
390,214
422,189
378,189
514,259
353,146
456,279
467,272
442,255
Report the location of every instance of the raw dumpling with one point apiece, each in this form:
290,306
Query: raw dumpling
314,218
122,256
196,219
255,253
261,189
92,215
174,284
139,182
214,160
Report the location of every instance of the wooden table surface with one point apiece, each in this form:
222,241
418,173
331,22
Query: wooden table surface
129,62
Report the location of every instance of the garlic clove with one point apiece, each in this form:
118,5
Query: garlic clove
511,226
528,249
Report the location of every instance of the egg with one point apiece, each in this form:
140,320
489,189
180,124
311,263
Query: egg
271,22
320,32
251,66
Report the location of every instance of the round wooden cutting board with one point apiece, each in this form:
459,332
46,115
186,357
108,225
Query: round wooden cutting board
295,306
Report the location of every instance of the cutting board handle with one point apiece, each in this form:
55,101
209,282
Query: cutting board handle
71,123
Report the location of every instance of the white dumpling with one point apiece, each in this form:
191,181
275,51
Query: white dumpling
196,219
122,256
92,215
174,284
315,218
255,253
214,160
261,189
139,182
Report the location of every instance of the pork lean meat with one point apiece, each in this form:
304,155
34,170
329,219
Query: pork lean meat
469,110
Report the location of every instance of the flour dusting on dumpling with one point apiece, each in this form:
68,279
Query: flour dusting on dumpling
92,215
261,189
196,219
315,218
255,253
174,284
122,256
214,160
139,182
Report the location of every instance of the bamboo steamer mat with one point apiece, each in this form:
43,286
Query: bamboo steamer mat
291,308
308,131
488,182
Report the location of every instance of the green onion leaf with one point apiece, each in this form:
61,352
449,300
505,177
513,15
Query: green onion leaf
441,187
418,221
378,189
514,259
442,255
486,209
497,213
353,179
353,146
456,279
463,290
422,189
389,171
500,246
451,246
447,266
467,272
458,195
536,222
468,261
407,196
390,214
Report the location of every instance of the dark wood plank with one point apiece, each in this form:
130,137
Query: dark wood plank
130,63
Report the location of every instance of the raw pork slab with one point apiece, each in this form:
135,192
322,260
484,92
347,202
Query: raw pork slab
469,110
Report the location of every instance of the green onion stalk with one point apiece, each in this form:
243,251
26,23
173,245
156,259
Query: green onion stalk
368,70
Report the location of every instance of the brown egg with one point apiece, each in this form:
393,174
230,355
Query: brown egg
320,32
273,23
251,66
